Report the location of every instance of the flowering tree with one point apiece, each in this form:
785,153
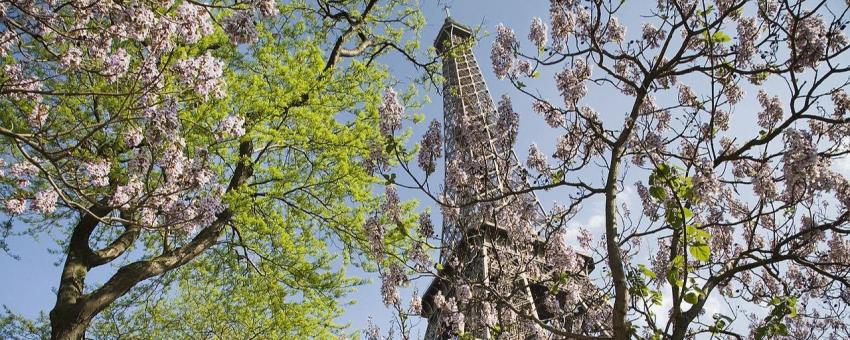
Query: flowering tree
152,134
731,117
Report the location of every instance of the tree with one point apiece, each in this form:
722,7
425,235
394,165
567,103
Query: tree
745,205
211,152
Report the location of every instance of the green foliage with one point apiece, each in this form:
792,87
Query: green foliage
676,193
773,326
279,270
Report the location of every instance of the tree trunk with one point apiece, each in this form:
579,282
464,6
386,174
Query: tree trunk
67,324
615,259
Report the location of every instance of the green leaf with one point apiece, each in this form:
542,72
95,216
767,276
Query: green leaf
720,37
692,296
647,272
700,251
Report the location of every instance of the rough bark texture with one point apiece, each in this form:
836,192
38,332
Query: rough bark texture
74,310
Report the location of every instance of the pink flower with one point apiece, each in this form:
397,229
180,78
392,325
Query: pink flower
193,22
553,116
538,32
117,64
616,32
125,193
431,148
501,52
98,172
15,206
772,110
240,27
71,59
203,73
390,280
571,82
45,201
268,8
536,159
231,126
390,112
133,137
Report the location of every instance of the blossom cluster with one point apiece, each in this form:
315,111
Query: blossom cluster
431,148
571,82
502,50
390,112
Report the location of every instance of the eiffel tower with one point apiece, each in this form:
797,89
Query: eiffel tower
495,283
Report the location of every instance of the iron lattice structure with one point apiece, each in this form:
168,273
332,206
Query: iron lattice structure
505,277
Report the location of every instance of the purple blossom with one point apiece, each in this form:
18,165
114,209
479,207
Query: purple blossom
133,137
173,162
571,82
733,93
15,206
553,116
98,172
563,24
538,33
841,101
231,126
431,148
566,148
426,228
45,201
38,116
21,173
117,64
508,122
652,35
616,32
390,112
392,204
488,314
463,293
560,255
687,97
808,42
203,73
193,22
268,8
375,236
415,304
748,33
125,193
501,52
71,59
240,27
390,281
771,110
536,159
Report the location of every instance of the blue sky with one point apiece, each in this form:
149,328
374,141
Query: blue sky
28,284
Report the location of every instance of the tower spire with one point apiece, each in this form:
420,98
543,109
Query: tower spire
480,253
